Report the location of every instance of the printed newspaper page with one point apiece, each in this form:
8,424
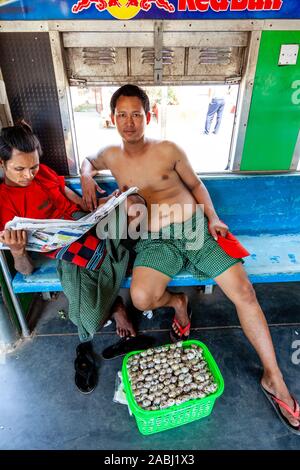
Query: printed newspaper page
49,234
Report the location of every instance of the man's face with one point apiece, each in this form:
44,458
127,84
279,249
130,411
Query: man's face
21,169
130,118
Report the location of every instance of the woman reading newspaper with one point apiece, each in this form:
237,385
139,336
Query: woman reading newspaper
90,269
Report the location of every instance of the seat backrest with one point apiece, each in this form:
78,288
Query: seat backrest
249,204
257,204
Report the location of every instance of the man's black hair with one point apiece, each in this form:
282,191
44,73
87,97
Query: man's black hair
19,137
130,90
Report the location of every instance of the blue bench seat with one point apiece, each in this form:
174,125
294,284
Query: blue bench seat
273,259
263,211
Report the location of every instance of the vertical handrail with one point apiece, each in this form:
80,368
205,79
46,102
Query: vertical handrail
14,298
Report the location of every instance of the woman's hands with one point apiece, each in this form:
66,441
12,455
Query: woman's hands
16,240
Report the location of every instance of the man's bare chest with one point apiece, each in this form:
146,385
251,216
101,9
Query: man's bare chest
152,176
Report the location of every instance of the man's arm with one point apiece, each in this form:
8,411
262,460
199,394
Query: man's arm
16,240
89,168
186,173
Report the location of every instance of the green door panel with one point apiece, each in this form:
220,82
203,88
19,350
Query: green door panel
274,118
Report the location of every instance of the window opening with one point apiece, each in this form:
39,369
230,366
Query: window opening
200,119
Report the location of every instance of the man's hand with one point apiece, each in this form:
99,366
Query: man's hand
136,208
217,227
116,193
89,188
16,240
103,200
135,198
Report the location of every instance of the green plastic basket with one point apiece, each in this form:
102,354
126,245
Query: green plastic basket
150,422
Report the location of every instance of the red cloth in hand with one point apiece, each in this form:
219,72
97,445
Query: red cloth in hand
232,246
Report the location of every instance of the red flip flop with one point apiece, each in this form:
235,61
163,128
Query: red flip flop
182,330
276,403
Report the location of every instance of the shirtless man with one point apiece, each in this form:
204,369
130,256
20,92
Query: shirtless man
166,180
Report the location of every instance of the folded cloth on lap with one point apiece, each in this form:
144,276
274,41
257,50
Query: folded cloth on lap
232,246
87,252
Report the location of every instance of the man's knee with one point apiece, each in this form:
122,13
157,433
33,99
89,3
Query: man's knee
246,293
144,299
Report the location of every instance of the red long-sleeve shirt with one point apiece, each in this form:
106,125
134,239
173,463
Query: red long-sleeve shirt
44,198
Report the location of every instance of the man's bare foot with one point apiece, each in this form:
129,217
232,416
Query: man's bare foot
180,303
124,326
278,388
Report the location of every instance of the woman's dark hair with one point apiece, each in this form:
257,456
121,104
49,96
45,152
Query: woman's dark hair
18,137
130,90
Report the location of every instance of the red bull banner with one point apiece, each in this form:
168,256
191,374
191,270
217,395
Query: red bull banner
148,9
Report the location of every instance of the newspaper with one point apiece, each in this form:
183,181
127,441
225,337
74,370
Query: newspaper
50,234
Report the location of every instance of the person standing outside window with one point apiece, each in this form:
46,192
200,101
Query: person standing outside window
216,106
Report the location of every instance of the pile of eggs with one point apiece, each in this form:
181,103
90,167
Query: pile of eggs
169,375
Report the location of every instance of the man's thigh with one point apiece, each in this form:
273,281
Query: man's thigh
210,261
160,256
234,282
152,282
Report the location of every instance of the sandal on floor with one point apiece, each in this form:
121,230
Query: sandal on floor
128,344
181,336
275,402
86,374
83,348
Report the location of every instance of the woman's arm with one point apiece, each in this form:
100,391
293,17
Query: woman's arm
16,240
72,196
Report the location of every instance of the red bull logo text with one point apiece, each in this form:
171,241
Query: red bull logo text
126,9
102,5
229,5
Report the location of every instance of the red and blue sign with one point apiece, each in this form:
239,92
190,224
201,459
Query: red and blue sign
148,9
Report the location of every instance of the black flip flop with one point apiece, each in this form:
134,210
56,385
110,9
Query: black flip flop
86,374
128,344
84,348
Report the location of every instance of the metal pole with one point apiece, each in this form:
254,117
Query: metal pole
14,298
164,104
8,332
